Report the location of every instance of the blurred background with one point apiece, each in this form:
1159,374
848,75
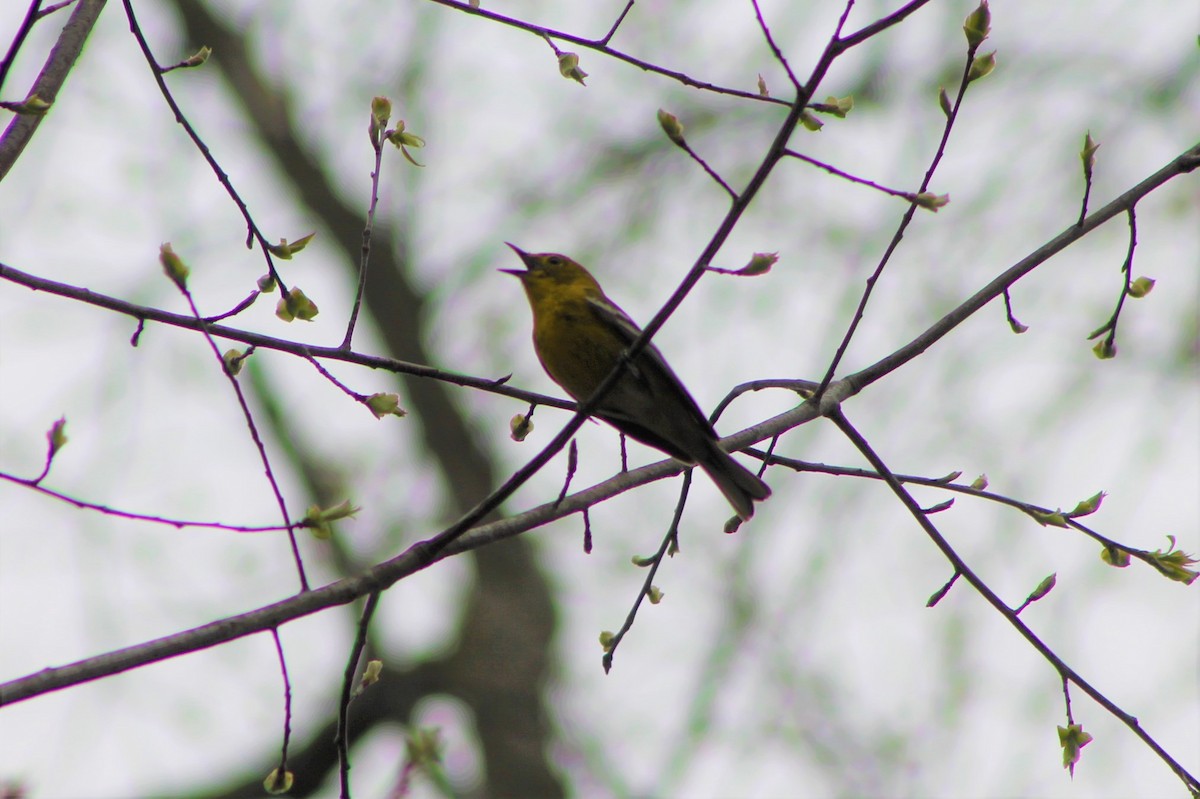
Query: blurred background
796,658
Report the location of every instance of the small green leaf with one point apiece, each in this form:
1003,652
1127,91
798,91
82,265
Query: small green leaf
810,122
402,139
1072,739
1175,563
839,106
317,519
286,249
385,405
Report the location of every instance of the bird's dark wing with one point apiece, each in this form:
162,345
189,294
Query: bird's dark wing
651,404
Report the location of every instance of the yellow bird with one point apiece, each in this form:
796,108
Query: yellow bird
579,335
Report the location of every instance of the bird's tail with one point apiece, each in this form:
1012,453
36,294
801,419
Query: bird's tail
739,485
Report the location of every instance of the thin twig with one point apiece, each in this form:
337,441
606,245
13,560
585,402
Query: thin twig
156,70
254,436
961,567
341,739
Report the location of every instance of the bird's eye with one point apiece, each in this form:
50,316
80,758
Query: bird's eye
554,260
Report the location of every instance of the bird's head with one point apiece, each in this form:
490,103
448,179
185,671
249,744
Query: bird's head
548,270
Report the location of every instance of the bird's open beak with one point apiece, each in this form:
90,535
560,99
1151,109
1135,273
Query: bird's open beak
525,257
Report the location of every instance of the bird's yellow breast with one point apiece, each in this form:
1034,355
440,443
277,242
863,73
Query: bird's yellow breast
575,347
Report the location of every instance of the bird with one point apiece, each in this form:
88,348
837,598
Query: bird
580,335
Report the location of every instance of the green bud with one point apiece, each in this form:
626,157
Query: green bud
980,483
1043,588
978,25
233,360
317,519
762,87
1089,505
938,508
278,782
520,426
946,479
655,595
31,106
944,102
1048,518
982,66
568,67
1105,349
930,201
266,284
606,640
57,435
1141,287
173,265
295,305
760,263
671,126
371,673
1088,154
381,111
1115,556
810,122
197,58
